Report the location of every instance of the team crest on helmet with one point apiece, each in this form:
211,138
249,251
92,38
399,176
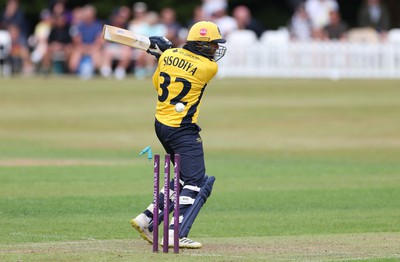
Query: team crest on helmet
203,31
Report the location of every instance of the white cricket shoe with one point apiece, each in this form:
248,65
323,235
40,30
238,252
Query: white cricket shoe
188,243
141,224
183,242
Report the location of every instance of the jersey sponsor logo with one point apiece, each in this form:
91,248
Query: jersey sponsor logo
189,55
180,63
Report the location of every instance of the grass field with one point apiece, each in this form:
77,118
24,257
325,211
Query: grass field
306,170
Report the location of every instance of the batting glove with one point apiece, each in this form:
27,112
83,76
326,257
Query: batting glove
158,44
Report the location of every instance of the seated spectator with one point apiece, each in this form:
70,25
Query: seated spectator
39,38
20,56
76,16
245,20
13,14
53,3
59,7
168,19
336,28
139,12
300,26
138,24
374,14
5,50
198,15
144,66
87,40
209,6
318,11
59,45
219,16
114,52
125,15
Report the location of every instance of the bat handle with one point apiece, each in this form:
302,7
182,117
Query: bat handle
155,49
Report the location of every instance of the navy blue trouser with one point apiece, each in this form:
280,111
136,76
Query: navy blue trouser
187,142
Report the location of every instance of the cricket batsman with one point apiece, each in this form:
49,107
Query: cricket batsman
180,80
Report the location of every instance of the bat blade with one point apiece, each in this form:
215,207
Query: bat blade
125,37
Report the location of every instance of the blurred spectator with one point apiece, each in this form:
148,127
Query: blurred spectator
53,3
13,14
245,20
76,17
40,35
318,11
209,7
198,15
374,14
87,42
59,45
20,56
121,54
139,12
154,27
220,17
336,28
5,50
138,24
59,7
168,19
125,15
144,66
300,26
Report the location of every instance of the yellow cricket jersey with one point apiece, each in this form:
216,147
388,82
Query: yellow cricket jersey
181,76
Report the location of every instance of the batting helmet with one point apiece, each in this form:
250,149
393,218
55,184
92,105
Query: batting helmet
205,31
206,37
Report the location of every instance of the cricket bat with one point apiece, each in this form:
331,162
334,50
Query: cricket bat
126,37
